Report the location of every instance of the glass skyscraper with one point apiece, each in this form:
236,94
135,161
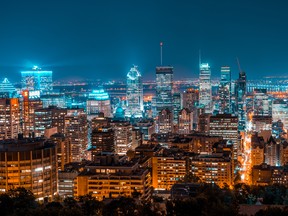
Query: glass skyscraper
134,93
164,88
37,79
225,90
240,100
205,89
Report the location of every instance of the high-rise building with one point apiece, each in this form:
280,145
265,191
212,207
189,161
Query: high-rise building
29,163
185,122
49,117
30,102
165,121
205,88
98,102
226,126
280,112
164,88
123,136
37,79
177,106
102,140
190,99
76,129
261,103
134,94
146,127
9,118
241,100
225,90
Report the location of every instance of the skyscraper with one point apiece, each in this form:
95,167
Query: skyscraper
134,93
9,118
76,130
98,101
205,89
37,79
7,89
165,121
29,104
240,100
164,87
225,90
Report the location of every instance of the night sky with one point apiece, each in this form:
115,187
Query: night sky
104,38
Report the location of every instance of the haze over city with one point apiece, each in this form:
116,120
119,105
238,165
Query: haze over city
103,39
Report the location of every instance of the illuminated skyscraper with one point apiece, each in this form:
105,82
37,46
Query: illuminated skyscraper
165,121
37,79
164,87
177,106
225,90
134,93
76,130
240,100
185,122
30,102
205,89
98,101
9,118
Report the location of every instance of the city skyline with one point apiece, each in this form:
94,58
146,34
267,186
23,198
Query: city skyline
104,39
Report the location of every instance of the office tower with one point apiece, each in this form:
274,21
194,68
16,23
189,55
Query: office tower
76,130
213,169
123,136
190,99
165,121
7,90
164,88
50,117
102,140
9,118
280,112
115,177
261,103
30,102
42,121
241,100
177,106
31,164
134,94
98,101
273,152
226,126
37,79
225,90
205,88
185,122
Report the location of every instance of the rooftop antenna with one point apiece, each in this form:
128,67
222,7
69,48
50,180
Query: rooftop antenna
161,45
239,67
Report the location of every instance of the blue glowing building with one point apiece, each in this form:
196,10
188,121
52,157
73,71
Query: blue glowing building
98,101
37,79
134,93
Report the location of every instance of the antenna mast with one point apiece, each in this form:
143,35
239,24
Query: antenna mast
239,67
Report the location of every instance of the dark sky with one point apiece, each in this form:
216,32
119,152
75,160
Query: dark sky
103,38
